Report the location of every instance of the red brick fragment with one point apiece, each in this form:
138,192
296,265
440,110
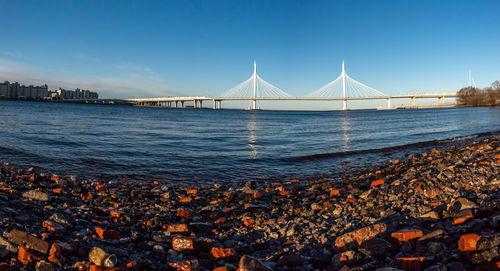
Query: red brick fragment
377,183
55,254
487,163
178,228
101,187
107,234
52,226
463,216
102,268
220,220
115,214
257,195
227,254
248,222
25,257
407,234
221,268
57,190
183,213
468,242
185,199
284,193
192,265
191,191
351,200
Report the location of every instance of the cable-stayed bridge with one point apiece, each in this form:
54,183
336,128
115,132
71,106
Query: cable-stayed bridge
254,89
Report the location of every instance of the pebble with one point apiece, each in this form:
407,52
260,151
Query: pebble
436,210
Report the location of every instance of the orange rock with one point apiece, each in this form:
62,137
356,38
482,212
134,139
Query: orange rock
184,199
377,183
335,192
223,254
221,268
487,163
54,178
280,188
228,210
57,190
468,242
214,202
497,156
257,195
192,265
351,200
435,204
102,268
52,226
192,191
407,234
178,228
101,187
107,234
183,213
284,193
130,265
463,216
25,257
220,220
248,222
115,214
295,181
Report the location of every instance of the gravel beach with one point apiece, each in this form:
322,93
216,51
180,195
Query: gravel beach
438,210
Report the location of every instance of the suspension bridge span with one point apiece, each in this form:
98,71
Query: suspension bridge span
254,89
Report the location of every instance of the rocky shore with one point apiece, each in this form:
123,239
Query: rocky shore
432,211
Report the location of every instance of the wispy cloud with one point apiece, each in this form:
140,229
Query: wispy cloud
129,66
87,58
127,86
11,53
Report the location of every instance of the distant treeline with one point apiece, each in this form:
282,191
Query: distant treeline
489,96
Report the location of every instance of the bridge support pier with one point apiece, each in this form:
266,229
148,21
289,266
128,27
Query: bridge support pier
182,104
344,107
440,100
389,103
412,101
195,103
216,105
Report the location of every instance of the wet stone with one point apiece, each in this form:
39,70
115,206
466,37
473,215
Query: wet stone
29,241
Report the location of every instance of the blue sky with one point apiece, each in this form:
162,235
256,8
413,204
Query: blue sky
159,48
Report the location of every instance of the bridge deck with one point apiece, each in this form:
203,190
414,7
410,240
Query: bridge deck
408,96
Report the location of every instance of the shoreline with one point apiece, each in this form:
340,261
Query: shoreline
429,210
395,152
